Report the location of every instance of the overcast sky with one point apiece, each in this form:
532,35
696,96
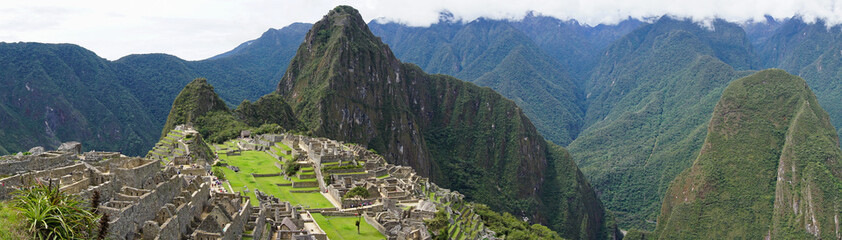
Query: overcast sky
198,29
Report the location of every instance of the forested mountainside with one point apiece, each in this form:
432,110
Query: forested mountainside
495,54
649,100
199,104
345,84
575,46
813,52
769,167
62,92
53,93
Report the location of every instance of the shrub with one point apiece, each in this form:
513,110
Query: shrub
290,168
357,191
218,173
51,214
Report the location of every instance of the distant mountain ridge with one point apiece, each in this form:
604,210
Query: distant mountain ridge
120,105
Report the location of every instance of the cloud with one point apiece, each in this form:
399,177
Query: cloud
198,29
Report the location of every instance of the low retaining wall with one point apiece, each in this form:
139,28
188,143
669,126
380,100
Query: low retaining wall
266,175
305,184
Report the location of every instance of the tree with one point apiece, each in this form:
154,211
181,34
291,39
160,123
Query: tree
357,191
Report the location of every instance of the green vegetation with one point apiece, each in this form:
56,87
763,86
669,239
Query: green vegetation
219,173
47,213
64,92
291,168
505,60
194,101
770,151
339,228
262,163
512,228
269,109
356,191
650,101
199,104
11,222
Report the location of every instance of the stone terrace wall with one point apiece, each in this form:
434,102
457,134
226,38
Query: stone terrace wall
41,161
126,220
177,225
8,185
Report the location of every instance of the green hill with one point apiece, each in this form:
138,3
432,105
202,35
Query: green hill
345,84
199,105
769,168
649,101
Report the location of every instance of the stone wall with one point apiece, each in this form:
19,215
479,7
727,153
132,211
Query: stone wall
234,230
8,185
259,224
176,226
38,162
128,216
371,221
134,172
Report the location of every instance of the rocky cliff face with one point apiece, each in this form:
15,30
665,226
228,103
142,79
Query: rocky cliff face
345,84
769,167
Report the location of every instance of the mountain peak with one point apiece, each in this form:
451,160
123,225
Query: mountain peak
769,167
341,21
196,99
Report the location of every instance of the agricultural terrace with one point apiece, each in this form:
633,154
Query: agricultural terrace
259,162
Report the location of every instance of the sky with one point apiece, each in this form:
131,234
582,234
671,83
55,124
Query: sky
199,29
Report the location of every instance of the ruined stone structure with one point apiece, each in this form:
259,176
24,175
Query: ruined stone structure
168,196
142,198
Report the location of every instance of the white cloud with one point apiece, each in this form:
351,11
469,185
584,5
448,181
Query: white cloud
197,29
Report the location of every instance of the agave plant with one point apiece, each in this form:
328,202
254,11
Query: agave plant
51,214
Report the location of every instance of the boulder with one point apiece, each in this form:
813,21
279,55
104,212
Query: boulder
73,147
36,150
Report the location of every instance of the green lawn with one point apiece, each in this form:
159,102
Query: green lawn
253,162
262,163
339,228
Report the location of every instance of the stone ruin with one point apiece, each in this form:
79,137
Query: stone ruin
141,198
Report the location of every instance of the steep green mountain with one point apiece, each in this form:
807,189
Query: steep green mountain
52,93
769,168
495,54
199,105
194,101
649,101
812,51
345,84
